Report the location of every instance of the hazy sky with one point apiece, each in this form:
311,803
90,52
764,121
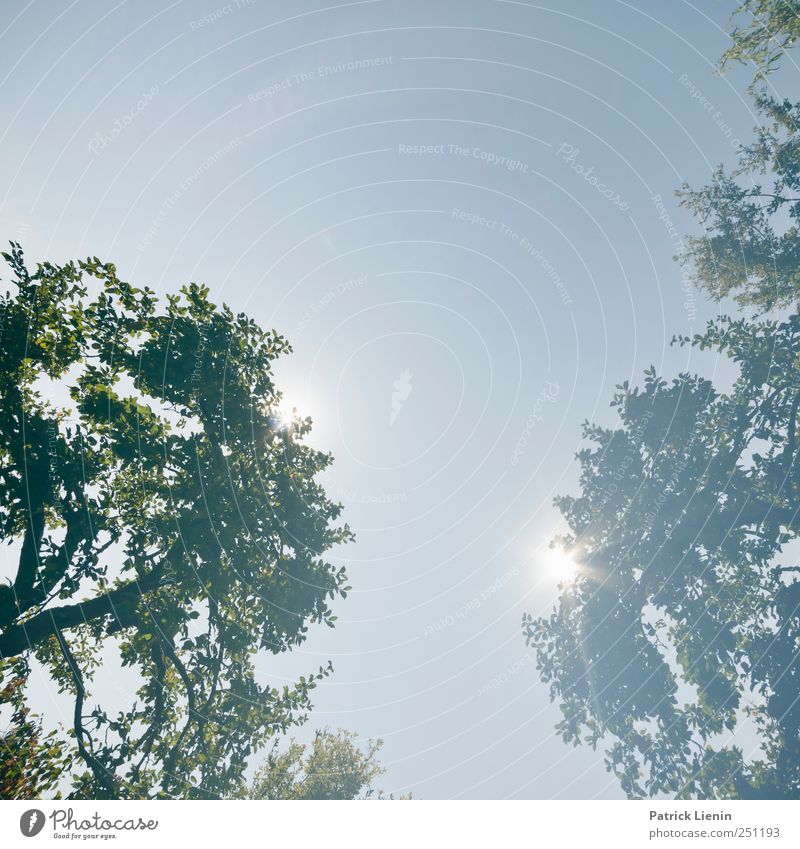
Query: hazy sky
450,208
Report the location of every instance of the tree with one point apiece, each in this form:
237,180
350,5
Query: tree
750,247
31,762
771,28
335,767
683,623
162,514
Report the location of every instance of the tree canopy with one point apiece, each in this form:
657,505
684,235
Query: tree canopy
762,31
750,245
678,642
333,766
31,762
683,624
749,248
162,515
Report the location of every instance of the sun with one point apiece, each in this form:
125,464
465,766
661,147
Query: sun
287,411
558,562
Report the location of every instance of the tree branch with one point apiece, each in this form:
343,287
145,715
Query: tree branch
102,775
26,635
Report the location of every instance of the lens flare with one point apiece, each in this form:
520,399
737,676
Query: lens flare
559,563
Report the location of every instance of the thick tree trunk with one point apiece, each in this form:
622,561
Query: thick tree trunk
26,635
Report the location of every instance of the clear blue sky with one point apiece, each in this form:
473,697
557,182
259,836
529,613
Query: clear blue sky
447,201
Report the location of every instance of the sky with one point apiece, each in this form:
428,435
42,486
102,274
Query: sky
461,214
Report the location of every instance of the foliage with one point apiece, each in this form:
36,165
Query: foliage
31,762
772,26
684,622
334,768
164,516
750,248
